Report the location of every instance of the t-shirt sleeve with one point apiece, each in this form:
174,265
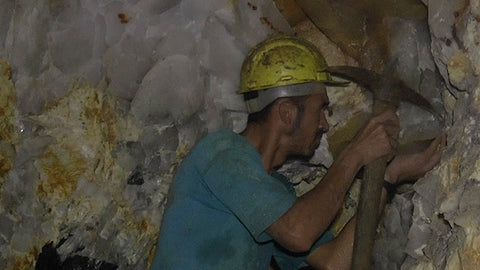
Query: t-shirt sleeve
243,186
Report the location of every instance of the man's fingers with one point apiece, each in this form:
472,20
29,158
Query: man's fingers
443,141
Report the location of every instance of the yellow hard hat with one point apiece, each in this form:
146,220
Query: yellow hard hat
280,61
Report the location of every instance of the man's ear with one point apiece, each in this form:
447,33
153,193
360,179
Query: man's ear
287,112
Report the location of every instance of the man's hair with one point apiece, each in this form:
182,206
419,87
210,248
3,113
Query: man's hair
261,116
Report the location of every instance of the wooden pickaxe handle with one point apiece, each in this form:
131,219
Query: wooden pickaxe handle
387,91
368,207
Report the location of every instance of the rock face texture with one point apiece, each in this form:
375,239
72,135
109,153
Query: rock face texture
443,233
100,101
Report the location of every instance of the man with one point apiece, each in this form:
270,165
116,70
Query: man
229,209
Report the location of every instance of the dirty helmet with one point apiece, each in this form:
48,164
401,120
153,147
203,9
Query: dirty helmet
282,66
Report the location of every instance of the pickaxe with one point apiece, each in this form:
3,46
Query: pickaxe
387,93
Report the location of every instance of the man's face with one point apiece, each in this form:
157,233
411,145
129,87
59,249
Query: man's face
311,125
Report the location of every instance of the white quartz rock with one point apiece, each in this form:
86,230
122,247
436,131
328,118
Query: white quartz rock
417,124
178,41
114,28
216,47
168,23
197,12
125,72
152,8
26,40
258,20
170,88
73,46
6,9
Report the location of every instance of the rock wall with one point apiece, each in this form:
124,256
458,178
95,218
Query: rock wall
436,225
100,100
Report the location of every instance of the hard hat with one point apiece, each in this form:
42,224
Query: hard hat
287,66
282,60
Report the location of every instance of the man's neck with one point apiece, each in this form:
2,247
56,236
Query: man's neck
267,142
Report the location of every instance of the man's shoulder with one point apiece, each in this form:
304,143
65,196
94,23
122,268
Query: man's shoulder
222,146
222,140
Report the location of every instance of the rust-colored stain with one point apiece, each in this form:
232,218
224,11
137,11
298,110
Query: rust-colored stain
26,261
144,225
8,129
62,167
23,262
458,66
99,110
5,164
124,18
8,100
6,70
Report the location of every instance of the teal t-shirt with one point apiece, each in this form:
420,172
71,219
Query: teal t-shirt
220,203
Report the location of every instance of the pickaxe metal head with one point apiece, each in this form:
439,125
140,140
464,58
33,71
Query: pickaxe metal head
385,88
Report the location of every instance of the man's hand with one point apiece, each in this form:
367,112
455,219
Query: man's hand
377,139
410,167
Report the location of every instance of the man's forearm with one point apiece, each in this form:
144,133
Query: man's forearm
338,253
327,197
313,212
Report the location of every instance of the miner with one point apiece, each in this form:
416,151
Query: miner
228,208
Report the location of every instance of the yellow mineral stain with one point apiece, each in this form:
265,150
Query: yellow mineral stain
87,127
8,101
86,123
62,168
180,154
458,66
100,111
470,256
6,71
9,134
144,225
7,154
23,262
449,171
151,256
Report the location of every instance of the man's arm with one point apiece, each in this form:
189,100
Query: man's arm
312,213
337,254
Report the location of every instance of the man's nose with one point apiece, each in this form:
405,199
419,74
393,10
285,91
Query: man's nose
323,123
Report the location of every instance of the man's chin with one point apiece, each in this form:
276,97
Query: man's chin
309,154
318,141
306,154
316,144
